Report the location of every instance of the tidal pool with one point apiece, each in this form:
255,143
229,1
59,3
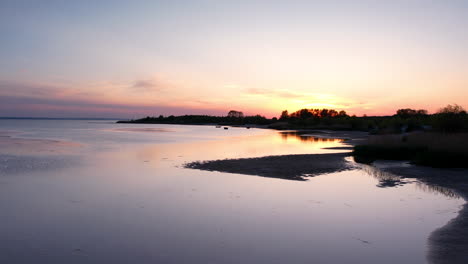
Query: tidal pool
76,191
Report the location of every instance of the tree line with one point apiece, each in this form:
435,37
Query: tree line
232,118
452,118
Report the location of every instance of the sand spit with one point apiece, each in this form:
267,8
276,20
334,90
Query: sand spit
290,167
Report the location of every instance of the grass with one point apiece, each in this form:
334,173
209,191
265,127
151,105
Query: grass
422,148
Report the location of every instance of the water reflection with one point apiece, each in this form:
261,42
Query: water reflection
144,129
303,137
437,190
27,146
387,179
130,201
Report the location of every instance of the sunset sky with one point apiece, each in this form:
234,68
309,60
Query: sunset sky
128,59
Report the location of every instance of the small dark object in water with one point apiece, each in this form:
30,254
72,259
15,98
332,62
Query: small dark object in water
248,127
226,127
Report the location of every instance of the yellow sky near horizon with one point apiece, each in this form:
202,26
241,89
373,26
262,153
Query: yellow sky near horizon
129,59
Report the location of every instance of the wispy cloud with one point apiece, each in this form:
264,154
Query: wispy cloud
28,89
274,92
99,99
293,100
149,85
154,96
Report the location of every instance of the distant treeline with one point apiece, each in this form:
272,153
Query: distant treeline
452,118
232,118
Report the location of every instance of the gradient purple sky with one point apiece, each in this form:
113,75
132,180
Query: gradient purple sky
129,59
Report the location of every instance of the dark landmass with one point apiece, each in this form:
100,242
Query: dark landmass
451,118
440,150
289,167
416,155
231,119
340,148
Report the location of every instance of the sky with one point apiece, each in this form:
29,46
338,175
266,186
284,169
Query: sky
128,59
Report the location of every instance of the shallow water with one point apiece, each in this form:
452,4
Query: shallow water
117,193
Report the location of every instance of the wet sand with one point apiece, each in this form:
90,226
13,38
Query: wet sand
290,167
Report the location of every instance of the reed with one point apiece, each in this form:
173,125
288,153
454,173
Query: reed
422,148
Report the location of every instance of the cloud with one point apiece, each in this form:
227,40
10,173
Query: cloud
295,100
146,86
28,89
154,84
154,96
42,107
304,98
274,93
99,99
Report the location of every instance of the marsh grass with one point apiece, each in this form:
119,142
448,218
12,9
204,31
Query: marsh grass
422,148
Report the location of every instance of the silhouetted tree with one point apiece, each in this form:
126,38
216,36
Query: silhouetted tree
452,109
236,114
284,115
452,118
408,112
422,112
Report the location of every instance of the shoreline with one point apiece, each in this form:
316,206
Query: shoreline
447,244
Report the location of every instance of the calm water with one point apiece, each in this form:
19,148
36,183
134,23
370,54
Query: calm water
99,192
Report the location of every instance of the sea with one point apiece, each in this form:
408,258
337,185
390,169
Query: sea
94,191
